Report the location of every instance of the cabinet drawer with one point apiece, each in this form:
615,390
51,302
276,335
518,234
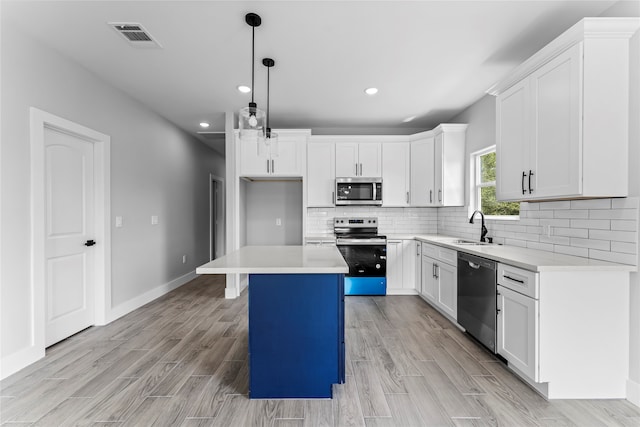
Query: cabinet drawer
446,255
519,280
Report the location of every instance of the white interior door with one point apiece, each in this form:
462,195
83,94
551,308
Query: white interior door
69,228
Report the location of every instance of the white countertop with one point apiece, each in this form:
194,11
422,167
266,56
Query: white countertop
279,260
529,259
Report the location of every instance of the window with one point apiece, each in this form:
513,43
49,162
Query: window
483,196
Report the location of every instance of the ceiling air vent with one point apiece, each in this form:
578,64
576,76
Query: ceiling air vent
135,34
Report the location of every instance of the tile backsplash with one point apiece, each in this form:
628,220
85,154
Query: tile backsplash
603,229
390,220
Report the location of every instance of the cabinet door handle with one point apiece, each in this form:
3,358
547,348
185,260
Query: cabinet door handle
513,279
273,166
333,197
356,169
430,196
530,175
440,196
524,174
407,197
267,166
360,169
437,271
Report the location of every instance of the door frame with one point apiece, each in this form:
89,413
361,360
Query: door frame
221,229
39,120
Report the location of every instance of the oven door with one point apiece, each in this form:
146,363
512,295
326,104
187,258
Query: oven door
358,191
367,267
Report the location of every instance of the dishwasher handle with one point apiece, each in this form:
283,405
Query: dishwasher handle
473,265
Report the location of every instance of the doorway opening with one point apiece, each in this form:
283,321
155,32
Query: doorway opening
216,217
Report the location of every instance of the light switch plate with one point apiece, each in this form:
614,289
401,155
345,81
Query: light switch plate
118,221
154,219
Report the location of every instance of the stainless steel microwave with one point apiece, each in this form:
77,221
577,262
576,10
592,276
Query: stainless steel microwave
358,191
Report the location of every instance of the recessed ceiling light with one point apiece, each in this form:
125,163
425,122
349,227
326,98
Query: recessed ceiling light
408,119
244,89
204,125
371,90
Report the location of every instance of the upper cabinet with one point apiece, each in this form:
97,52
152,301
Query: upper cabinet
422,175
395,174
356,159
321,174
437,167
285,159
449,161
562,117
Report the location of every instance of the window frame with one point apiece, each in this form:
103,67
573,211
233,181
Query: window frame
476,185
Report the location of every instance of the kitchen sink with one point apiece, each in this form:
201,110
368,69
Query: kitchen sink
468,242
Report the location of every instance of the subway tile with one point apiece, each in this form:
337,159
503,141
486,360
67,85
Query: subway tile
540,246
618,236
561,204
571,250
624,247
556,240
613,257
529,221
514,242
541,214
624,225
600,224
603,245
570,232
572,213
534,229
614,214
625,203
526,206
556,222
591,204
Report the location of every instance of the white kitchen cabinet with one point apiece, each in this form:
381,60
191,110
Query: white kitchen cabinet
321,174
396,176
400,267
259,160
358,159
439,281
449,162
517,331
422,174
417,257
546,330
437,167
562,117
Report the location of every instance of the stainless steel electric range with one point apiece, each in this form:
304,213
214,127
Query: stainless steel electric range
365,251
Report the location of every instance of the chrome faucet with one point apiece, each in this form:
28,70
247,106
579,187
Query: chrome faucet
484,230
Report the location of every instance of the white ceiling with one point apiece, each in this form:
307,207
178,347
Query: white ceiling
430,59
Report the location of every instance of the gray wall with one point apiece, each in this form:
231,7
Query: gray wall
156,169
268,200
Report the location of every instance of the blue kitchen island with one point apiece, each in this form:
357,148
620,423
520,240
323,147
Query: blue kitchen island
296,318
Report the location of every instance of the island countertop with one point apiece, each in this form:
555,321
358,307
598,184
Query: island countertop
278,260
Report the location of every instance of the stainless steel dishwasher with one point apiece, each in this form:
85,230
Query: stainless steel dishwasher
477,298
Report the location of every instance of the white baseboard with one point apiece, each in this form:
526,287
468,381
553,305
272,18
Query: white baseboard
633,392
14,362
401,292
137,302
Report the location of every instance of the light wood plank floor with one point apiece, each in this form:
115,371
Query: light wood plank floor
182,361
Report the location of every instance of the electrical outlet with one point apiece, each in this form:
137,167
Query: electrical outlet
278,221
184,259
154,219
118,221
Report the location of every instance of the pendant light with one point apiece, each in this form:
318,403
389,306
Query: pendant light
271,138
251,119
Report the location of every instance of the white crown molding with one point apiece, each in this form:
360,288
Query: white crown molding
587,28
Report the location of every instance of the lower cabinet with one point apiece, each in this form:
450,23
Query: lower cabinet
401,279
439,279
517,330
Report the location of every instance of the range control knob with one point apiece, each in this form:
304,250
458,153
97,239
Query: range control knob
378,266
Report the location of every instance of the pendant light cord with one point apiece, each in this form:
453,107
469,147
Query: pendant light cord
253,59
268,128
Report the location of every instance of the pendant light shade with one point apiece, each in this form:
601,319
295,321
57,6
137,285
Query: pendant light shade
271,138
252,121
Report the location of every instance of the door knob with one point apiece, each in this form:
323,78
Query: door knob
89,243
